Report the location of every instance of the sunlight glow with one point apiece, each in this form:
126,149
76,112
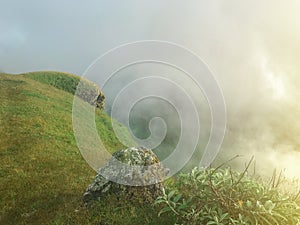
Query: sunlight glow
274,81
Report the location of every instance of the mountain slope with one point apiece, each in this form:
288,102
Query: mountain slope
43,175
42,171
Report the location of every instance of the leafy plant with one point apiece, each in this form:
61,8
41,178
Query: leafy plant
222,197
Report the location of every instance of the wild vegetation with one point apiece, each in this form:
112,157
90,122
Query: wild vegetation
43,175
223,196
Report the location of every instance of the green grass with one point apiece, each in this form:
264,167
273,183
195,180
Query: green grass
64,81
43,175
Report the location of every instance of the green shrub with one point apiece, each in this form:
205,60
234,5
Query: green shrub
222,196
83,88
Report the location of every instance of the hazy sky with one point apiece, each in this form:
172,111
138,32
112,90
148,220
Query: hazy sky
67,35
253,46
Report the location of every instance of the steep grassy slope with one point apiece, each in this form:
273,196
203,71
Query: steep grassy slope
42,173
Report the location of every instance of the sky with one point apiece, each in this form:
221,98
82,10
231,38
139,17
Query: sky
252,46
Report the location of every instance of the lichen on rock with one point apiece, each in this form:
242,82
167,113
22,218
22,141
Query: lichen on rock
134,172
90,93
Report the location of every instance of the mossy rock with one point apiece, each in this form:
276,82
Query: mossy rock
139,180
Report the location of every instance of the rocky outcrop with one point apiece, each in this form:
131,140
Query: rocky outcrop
134,173
90,92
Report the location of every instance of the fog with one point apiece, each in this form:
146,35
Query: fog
252,47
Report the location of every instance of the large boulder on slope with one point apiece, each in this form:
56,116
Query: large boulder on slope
137,181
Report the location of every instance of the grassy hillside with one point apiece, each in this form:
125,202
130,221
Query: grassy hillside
43,175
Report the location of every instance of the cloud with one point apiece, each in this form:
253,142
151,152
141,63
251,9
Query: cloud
252,46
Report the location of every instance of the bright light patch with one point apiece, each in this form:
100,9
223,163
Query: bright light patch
277,85
274,81
287,162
